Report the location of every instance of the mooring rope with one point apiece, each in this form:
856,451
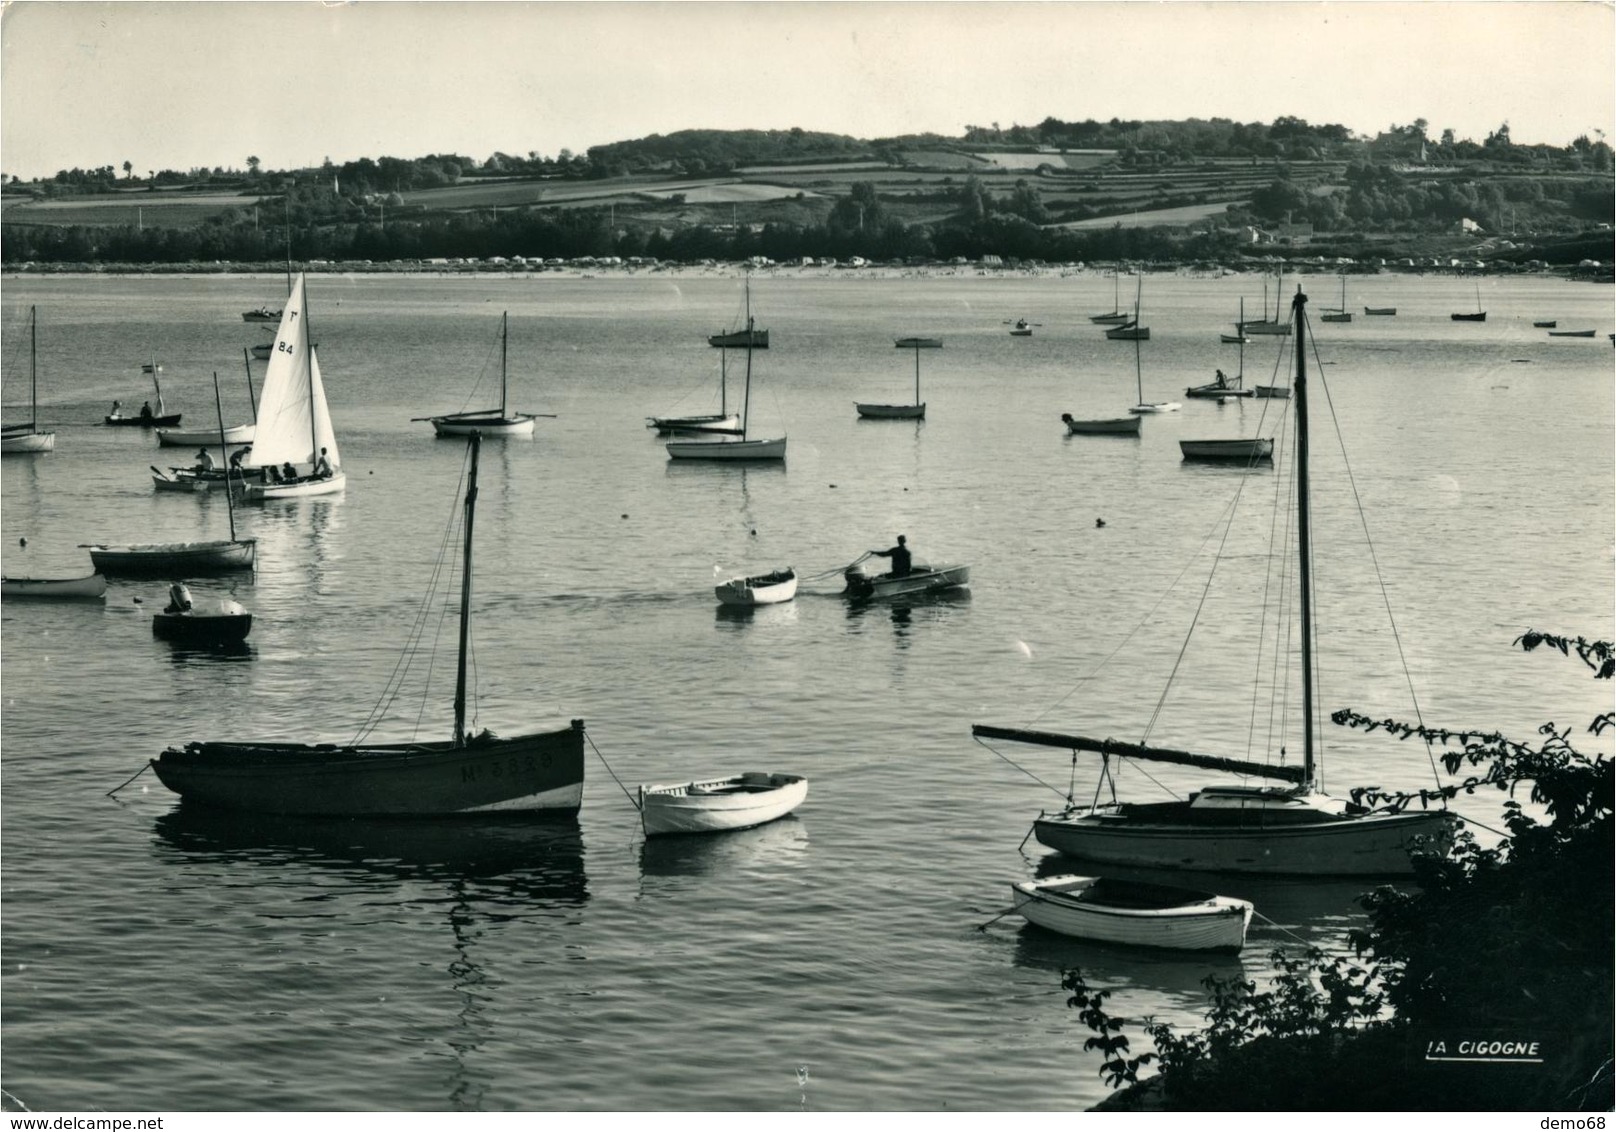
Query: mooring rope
143,769
610,771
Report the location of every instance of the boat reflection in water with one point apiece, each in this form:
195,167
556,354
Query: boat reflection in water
534,862
764,849
1177,975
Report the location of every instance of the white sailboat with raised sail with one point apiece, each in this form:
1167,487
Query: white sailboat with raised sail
489,422
25,436
1292,829
738,447
294,452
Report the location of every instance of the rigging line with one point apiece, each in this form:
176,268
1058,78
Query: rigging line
590,740
1275,924
1024,770
1374,559
393,688
1206,588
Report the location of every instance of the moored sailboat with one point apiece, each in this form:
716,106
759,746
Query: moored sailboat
913,412
1116,314
722,421
750,337
489,422
739,447
1289,829
26,436
465,774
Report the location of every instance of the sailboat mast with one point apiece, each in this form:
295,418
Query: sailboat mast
504,343
1138,373
308,363
1304,536
746,401
224,452
33,368
723,381
917,373
465,597
1240,333
252,397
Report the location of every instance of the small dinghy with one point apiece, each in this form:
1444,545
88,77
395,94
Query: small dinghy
738,802
88,586
1142,915
221,622
760,589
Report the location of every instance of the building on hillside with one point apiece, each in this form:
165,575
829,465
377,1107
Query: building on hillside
1468,227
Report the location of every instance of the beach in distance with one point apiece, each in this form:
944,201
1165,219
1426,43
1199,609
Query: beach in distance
160,957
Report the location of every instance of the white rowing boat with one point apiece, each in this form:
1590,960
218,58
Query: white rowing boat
759,589
1106,910
737,802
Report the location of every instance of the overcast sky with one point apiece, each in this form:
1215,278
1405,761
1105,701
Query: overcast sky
180,85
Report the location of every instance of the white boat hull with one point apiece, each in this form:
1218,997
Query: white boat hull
258,492
1240,449
176,559
738,802
1269,329
1375,844
1157,407
28,442
517,424
89,586
205,438
761,589
711,423
1111,426
891,412
919,580
1139,915
727,449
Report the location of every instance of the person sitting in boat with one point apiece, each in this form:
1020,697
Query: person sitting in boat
1222,382
179,599
204,460
145,411
117,411
272,474
322,466
288,472
900,558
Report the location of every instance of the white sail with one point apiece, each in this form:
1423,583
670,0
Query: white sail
293,420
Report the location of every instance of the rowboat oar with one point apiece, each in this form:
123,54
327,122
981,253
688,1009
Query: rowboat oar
155,468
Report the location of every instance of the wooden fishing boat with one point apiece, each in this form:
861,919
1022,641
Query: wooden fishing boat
1021,329
1478,315
172,559
1571,333
465,774
87,586
1547,324
26,436
294,421
1106,910
1380,310
737,802
1293,829
1241,449
913,412
1340,313
1105,426
918,343
759,589
1129,332
919,580
489,422
1273,392
1116,314
261,314
1275,327
147,417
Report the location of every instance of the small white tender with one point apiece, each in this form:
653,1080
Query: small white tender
737,802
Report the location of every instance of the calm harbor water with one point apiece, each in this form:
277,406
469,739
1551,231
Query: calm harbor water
156,958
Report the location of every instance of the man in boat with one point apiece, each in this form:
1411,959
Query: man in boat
117,411
900,558
288,472
204,460
179,598
145,411
1223,381
322,466
237,457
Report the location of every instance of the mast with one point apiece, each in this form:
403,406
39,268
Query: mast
33,369
252,398
465,598
746,402
224,453
723,382
308,364
1304,537
1138,371
157,385
917,371
1240,333
504,340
